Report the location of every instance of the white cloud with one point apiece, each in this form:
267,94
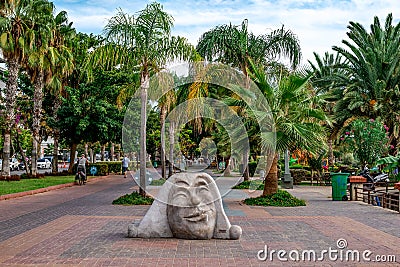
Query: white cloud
319,24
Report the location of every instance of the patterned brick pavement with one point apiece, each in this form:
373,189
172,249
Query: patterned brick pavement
79,226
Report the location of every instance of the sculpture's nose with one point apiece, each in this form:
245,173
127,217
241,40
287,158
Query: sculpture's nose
195,199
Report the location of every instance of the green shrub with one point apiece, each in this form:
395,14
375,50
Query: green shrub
102,168
308,168
114,166
299,175
280,199
254,185
133,199
296,166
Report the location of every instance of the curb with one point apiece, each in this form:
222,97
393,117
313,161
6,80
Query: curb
46,189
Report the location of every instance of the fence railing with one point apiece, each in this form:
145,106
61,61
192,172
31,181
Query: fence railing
386,196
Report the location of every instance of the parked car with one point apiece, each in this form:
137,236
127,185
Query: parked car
50,158
14,164
21,166
43,164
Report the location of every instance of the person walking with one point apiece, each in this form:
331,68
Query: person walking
125,165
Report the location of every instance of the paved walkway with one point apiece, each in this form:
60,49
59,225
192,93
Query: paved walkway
79,226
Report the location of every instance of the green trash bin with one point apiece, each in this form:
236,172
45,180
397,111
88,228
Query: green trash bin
339,185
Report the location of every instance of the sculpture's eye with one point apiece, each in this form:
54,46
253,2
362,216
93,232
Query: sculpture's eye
203,188
180,195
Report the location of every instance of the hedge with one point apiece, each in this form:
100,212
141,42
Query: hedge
114,166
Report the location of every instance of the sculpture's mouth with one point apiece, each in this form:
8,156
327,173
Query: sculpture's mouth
197,216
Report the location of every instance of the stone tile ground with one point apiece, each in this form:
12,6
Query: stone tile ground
78,226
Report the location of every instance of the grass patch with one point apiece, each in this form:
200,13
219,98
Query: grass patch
253,185
133,199
23,185
280,199
158,182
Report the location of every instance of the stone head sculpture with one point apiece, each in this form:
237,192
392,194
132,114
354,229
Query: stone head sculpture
188,206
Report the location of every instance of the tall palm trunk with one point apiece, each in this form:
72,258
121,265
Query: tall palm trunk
56,137
271,181
10,93
37,117
162,120
21,151
330,153
144,84
171,148
56,133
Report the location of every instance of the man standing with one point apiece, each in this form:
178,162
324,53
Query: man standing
125,165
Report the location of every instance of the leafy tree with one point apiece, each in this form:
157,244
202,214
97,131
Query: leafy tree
236,46
297,118
327,81
16,23
144,42
373,66
368,139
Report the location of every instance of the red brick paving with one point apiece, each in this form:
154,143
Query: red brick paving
78,226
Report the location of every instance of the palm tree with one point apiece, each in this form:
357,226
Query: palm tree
327,80
63,36
144,41
16,31
236,46
372,83
40,59
298,121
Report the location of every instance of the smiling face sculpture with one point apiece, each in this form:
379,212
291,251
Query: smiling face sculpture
191,210
188,206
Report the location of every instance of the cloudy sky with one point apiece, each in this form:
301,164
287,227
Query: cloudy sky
319,24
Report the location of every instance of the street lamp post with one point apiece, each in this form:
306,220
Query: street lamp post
287,178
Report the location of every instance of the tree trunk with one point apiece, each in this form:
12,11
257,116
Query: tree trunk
72,158
6,154
86,150
56,131
103,149
144,84
330,153
37,117
162,120
21,151
171,148
92,157
10,93
246,173
112,151
56,137
271,181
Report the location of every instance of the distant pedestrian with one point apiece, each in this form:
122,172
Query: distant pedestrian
82,162
125,165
